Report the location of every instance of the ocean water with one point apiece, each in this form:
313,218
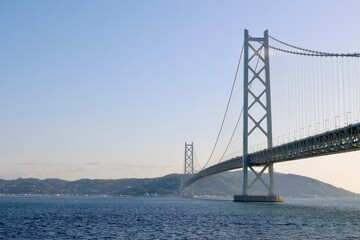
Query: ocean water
176,218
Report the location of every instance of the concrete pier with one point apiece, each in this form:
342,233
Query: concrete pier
254,198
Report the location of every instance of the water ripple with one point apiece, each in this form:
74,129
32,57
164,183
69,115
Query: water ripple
175,218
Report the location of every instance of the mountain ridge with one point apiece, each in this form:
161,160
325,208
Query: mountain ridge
223,184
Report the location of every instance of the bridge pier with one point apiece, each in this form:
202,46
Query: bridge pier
258,198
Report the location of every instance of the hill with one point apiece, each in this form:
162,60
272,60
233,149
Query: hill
288,185
224,184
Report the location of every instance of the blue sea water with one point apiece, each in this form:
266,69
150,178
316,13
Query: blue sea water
176,218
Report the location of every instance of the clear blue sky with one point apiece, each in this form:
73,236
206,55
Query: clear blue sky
113,89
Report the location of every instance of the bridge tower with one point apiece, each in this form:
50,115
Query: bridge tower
189,167
189,158
257,111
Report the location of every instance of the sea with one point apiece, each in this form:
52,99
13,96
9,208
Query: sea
54,217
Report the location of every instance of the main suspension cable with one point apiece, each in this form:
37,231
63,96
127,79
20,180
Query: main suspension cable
227,107
313,53
317,54
238,120
232,135
197,162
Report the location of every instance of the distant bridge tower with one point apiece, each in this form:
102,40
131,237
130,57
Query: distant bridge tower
257,110
189,158
189,166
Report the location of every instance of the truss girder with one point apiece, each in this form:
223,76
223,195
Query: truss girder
342,140
332,142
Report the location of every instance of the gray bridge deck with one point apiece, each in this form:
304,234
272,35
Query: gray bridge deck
341,140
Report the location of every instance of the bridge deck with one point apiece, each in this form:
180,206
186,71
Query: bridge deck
332,142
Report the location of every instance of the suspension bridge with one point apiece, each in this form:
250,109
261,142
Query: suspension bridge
314,110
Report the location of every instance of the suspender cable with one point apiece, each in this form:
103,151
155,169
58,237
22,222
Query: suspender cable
338,92
344,93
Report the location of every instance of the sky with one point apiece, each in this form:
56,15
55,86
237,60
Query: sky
113,89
